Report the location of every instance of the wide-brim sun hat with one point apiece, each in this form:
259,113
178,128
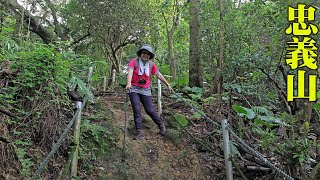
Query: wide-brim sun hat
148,48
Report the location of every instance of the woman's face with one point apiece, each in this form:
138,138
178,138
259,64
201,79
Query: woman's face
145,55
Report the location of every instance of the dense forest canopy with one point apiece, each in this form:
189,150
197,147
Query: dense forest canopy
229,54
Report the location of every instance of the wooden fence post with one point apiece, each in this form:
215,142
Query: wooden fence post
76,141
159,98
226,150
113,79
76,131
104,83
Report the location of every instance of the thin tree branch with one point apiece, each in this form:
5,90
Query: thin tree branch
80,39
3,139
282,93
8,113
238,168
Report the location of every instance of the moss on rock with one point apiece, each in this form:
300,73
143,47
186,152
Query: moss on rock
178,120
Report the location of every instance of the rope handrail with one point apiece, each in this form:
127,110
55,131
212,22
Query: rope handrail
201,143
251,150
258,155
56,146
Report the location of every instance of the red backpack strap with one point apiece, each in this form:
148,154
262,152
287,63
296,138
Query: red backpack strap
136,63
150,66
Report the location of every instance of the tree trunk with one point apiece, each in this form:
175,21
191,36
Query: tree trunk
1,18
171,60
170,32
30,22
304,107
218,74
195,62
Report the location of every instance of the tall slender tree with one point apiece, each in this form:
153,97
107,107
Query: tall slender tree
172,21
221,51
195,62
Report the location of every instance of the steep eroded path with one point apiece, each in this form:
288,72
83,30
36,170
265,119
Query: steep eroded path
155,157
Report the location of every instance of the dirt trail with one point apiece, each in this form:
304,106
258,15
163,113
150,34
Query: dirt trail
154,157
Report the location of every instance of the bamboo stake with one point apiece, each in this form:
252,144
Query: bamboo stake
226,150
159,98
76,131
76,140
88,87
113,79
104,83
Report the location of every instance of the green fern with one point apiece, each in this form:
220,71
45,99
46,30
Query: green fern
261,110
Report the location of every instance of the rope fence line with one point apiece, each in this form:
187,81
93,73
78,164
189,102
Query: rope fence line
258,155
245,145
63,136
194,138
56,146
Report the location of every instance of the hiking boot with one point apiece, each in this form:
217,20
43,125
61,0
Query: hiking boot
162,128
139,135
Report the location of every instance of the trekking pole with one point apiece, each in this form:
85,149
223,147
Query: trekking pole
123,156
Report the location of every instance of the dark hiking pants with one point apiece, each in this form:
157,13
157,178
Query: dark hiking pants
135,99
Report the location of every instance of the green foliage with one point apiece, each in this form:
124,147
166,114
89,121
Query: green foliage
196,94
123,79
9,46
39,76
76,82
82,87
197,116
267,136
97,140
233,149
297,149
194,90
176,95
100,71
248,113
182,79
261,110
235,87
39,69
211,100
254,38
36,66
25,161
177,121
147,122
164,68
260,115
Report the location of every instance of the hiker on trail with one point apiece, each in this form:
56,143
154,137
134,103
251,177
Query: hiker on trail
138,83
